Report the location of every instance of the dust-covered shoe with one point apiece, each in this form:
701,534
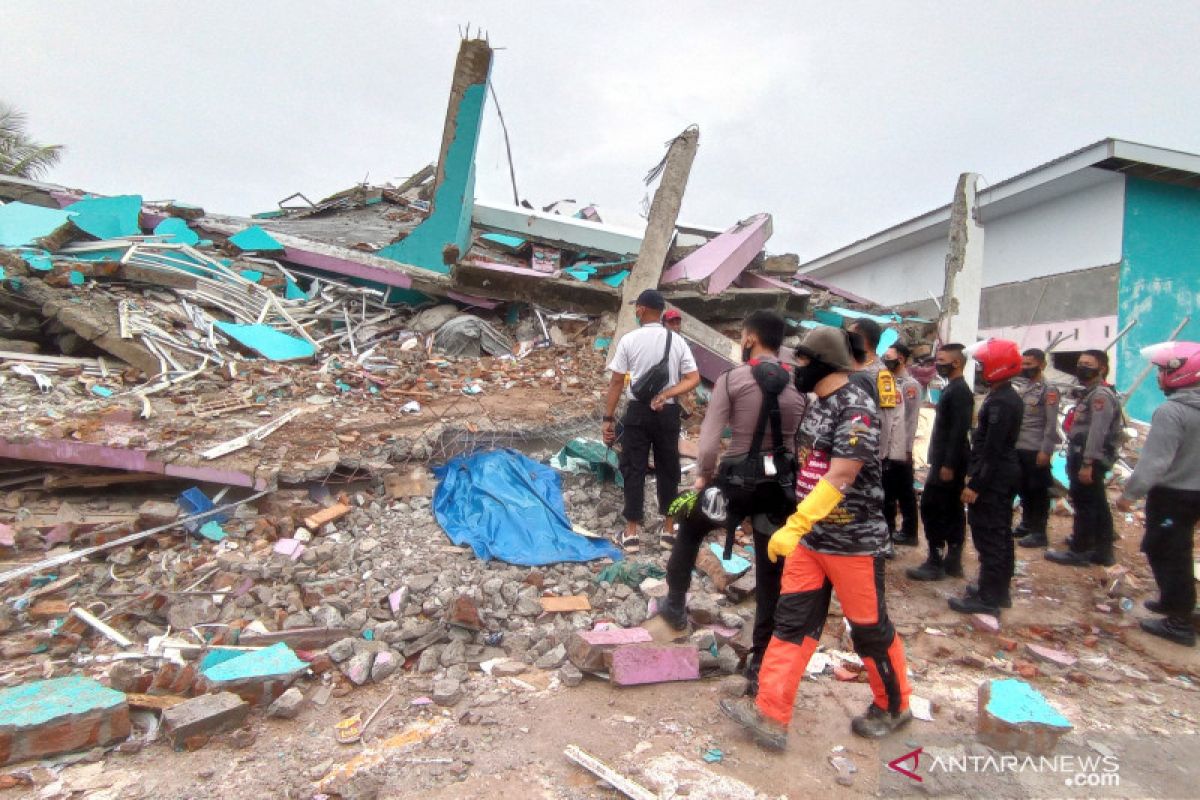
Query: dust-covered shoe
767,732
877,722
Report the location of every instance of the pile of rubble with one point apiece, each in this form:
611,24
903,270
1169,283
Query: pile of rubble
214,453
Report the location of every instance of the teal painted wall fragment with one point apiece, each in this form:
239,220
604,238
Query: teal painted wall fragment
1160,280
38,259
454,200
1015,702
22,224
177,231
616,280
273,661
267,342
40,702
108,217
504,240
255,239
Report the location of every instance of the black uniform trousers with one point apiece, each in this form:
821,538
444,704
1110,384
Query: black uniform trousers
767,514
942,511
646,430
991,533
898,492
1092,531
1171,516
1034,492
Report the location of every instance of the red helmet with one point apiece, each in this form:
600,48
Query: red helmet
999,359
1178,363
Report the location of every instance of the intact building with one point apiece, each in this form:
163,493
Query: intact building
1080,247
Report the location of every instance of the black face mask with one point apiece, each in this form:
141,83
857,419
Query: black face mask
808,376
1085,373
1030,372
945,370
746,350
891,363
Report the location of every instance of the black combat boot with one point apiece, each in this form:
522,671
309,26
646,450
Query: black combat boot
953,563
1070,558
1173,629
931,570
1005,599
1033,539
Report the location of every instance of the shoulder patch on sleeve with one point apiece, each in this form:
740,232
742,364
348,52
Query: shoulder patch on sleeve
910,392
1099,403
1051,396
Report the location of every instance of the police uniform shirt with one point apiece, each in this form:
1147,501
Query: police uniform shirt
1094,417
640,350
1039,424
910,394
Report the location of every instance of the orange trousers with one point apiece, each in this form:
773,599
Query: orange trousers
809,578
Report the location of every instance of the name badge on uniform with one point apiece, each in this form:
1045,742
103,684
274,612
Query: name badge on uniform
769,465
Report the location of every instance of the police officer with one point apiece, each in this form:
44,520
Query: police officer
949,453
898,464
1035,447
757,474
1092,444
992,479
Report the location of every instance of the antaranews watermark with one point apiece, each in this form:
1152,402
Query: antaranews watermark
1080,767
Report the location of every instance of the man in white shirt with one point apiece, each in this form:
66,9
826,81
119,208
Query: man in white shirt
649,423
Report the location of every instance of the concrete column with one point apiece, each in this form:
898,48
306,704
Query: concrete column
660,228
964,270
449,222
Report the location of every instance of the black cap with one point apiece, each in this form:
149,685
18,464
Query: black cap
651,298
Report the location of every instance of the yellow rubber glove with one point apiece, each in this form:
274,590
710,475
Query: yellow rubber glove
822,500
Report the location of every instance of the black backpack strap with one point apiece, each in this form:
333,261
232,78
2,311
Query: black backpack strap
768,414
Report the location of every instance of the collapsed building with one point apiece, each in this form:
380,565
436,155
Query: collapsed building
277,386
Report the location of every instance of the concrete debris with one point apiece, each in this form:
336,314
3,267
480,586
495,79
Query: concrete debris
204,716
1013,716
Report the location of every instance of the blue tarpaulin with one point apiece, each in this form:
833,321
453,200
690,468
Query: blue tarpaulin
508,507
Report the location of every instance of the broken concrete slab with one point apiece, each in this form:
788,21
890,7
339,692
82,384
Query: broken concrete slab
130,459
259,676
1015,716
62,715
95,321
108,217
715,265
254,240
205,715
22,225
586,649
569,233
638,664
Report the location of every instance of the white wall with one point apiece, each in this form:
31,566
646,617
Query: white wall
1070,224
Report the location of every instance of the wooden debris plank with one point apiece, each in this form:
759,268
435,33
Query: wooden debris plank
624,785
552,605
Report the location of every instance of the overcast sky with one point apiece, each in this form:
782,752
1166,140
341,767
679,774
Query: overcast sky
838,119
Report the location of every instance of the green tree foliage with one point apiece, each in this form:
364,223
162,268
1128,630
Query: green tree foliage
20,156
